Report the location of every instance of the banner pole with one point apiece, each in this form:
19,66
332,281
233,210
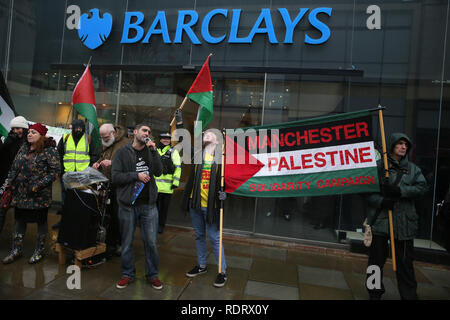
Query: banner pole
391,225
221,201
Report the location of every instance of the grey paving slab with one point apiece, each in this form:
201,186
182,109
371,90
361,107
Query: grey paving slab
322,277
271,253
141,290
357,283
233,261
8,292
390,285
200,291
437,277
93,282
430,292
271,291
43,295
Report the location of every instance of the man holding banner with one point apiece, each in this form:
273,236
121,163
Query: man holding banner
201,198
405,184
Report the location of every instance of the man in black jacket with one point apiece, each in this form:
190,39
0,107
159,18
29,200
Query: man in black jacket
201,198
133,170
8,150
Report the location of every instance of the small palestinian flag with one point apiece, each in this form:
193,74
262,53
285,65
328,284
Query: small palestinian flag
201,93
83,100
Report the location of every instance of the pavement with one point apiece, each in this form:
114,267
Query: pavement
258,269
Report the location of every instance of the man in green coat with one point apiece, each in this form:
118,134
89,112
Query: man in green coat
406,183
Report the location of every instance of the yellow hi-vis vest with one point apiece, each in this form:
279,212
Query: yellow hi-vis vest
76,158
164,182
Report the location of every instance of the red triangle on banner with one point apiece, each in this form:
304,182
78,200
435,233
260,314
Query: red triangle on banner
239,166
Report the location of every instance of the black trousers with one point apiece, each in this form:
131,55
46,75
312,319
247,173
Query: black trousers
404,253
113,237
163,203
2,218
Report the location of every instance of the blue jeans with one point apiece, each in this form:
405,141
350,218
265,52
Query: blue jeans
148,218
201,227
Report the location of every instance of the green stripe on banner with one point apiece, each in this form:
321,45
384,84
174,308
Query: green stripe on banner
315,184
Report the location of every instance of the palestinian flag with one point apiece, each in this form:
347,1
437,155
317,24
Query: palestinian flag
7,111
83,100
320,156
201,93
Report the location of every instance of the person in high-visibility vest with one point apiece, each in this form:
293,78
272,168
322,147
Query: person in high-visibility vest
76,151
169,180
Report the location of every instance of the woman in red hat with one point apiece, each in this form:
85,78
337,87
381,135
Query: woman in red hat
31,176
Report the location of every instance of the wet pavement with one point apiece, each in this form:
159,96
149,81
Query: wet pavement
257,270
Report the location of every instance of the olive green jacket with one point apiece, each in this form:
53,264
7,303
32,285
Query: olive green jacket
412,185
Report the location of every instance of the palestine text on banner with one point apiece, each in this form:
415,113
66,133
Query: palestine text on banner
321,156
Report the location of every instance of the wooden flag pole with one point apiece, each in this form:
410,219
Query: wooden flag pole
181,108
222,170
184,101
391,225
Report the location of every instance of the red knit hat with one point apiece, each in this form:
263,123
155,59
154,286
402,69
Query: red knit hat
39,128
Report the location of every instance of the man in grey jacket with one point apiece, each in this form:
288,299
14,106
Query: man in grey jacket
133,170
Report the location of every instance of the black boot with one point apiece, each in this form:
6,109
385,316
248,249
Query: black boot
16,250
39,250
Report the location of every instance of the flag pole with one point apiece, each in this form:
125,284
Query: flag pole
71,109
89,62
184,101
221,201
181,108
391,227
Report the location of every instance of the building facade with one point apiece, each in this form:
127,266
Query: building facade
273,61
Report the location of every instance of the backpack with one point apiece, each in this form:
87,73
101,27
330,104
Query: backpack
168,166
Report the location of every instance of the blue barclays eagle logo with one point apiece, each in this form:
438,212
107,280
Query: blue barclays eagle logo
94,31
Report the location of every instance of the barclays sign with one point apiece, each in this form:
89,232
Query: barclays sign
265,17
93,30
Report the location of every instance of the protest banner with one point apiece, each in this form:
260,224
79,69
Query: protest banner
314,157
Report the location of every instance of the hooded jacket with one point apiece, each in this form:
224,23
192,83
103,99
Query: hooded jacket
412,185
8,151
124,175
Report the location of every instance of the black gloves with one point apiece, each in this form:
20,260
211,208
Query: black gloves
387,204
178,115
10,139
173,187
391,191
222,195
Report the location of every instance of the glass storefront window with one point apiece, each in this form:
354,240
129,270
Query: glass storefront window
401,66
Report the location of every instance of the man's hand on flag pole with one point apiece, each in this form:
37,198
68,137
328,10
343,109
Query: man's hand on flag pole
178,116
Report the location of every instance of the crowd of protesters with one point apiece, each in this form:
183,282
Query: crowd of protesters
31,162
